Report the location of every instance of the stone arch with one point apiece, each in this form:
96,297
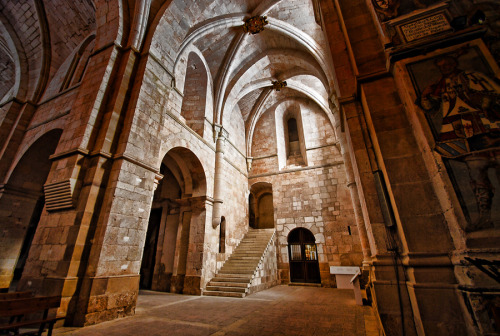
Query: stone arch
289,109
79,60
193,173
174,238
22,203
31,44
295,149
235,20
264,105
304,63
12,51
72,70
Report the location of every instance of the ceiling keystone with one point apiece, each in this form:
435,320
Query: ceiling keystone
255,25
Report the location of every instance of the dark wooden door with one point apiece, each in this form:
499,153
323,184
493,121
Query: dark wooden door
304,266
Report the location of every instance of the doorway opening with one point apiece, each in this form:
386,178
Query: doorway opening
173,247
22,205
261,206
304,265
149,256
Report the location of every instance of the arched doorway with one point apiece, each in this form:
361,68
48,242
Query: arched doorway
173,248
261,207
304,266
21,205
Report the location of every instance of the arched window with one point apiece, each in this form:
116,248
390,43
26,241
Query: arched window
79,64
293,133
293,137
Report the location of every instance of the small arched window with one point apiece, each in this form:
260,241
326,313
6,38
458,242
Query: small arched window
293,132
293,137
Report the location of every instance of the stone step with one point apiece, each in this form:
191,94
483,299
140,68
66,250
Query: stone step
234,270
239,277
237,271
251,247
248,251
234,278
227,289
242,262
218,283
231,282
229,268
246,254
232,264
227,294
239,265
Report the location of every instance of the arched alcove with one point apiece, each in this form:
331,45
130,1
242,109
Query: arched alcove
21,206
195,94
291,144
171,251
261,206
294,137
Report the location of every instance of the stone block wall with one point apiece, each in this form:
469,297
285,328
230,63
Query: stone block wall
266,275
315,197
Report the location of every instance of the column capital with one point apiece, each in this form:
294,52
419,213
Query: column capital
220,133
249,163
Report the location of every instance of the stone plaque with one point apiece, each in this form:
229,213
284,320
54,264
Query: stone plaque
425,27
344,270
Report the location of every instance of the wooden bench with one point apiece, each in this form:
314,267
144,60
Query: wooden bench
15,295
25,312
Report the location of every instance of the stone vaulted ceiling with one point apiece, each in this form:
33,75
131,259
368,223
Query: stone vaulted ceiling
242,66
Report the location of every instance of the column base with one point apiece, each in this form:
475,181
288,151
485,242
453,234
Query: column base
110,298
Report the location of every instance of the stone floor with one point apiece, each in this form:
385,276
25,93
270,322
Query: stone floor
282,310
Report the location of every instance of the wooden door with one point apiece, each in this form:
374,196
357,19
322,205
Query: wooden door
304,266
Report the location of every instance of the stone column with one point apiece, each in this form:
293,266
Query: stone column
221,135
351,184
181,246
195,254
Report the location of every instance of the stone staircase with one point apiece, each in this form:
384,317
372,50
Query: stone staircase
235,277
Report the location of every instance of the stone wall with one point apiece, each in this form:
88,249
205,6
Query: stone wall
266,274
315,197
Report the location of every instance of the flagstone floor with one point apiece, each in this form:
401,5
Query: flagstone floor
281,310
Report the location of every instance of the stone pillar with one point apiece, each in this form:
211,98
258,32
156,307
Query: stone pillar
351,184
195,253
221,135
181,247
